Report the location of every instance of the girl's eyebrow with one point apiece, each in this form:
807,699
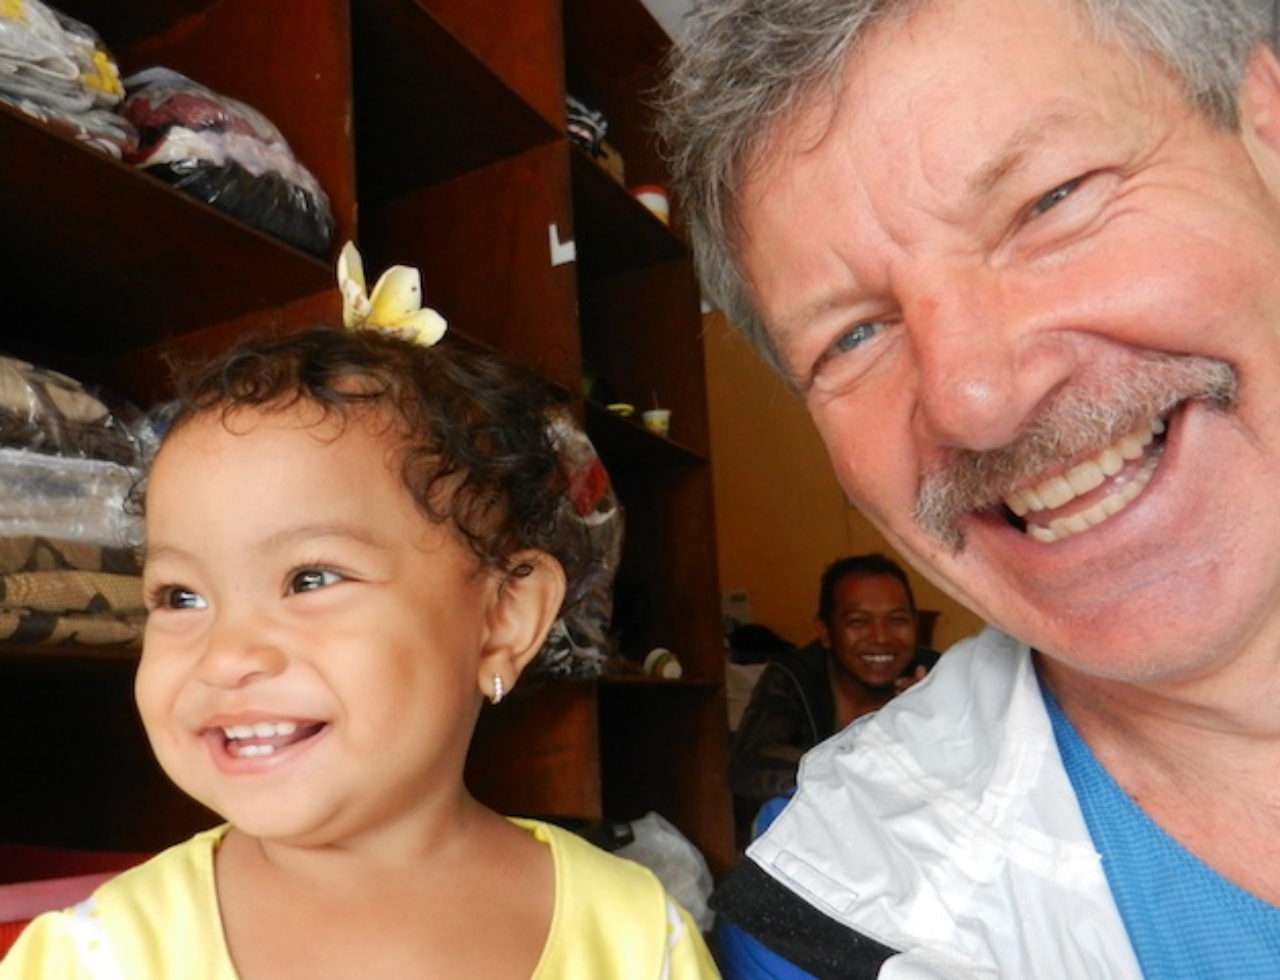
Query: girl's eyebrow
322,529
152,552
285,536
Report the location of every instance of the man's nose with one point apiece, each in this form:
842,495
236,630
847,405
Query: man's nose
882,631
985,357
240,648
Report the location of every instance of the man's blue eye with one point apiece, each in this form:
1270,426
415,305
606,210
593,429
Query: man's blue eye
1055,197
856,337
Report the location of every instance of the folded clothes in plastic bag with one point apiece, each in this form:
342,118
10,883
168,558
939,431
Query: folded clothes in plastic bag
57,70
50,413
228,155
58,496
70,468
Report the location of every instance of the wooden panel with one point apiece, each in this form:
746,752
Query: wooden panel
522,43
98,257
482,242
427,108
665,749
144,375
77,768
536,754
613,52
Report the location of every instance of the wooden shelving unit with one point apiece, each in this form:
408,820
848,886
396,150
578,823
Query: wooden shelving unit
437,128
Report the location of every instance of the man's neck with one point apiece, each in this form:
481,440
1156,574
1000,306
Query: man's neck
1204,767
853,698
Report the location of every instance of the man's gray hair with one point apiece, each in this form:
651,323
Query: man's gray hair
746,65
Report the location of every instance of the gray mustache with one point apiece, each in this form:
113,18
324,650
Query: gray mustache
1074,424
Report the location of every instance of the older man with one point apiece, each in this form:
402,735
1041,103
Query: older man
1021,259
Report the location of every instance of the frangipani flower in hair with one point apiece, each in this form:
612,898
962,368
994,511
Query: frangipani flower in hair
395,305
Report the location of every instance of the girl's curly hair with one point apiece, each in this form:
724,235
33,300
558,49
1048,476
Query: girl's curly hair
476,450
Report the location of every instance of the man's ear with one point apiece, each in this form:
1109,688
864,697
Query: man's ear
824,633
1259,108
522,613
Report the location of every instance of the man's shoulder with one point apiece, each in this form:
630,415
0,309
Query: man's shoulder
806,661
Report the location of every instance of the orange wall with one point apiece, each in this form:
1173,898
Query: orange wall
780,515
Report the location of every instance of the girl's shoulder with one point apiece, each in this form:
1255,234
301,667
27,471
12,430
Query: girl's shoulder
613,918
152,920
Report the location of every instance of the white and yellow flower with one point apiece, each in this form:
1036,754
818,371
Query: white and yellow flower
395,305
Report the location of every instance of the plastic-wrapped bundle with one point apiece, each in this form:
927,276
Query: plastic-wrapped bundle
68,461
67,497
53,414
57,70
70,466
228,155
577,645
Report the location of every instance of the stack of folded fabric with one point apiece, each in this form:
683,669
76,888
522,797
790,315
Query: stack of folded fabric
228,155
57,70
69,536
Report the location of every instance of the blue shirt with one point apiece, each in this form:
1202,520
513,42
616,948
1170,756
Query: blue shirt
1185,921
739,956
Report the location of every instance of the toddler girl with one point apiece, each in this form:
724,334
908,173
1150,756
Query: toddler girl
352,540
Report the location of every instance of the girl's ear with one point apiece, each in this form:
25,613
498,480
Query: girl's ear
522,613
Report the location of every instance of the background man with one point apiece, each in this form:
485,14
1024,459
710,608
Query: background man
1021,260
865,653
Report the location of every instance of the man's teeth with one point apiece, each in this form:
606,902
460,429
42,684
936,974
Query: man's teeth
1084,478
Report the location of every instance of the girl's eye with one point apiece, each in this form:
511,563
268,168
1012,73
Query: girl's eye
310,579
1055,197
175,597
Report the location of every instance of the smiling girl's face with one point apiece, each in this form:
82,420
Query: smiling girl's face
311,660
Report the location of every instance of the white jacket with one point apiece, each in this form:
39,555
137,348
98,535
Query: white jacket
945,827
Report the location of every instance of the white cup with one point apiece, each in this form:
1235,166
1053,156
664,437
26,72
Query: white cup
654,198
661,662
657,421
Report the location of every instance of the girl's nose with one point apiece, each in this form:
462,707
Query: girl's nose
238,651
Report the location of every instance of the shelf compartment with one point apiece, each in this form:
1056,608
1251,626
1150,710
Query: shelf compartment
615,232
427,108
642,334
122,25
536,754
660,592
100,258
665,748
613,57
77,762
482,242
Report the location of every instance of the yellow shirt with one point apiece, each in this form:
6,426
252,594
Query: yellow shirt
612,920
